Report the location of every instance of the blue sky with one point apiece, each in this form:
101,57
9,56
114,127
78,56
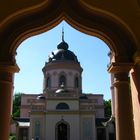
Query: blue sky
91,53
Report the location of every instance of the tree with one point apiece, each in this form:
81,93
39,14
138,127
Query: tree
16,105
107,105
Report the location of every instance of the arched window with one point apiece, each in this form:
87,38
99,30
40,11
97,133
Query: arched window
62,106
62,80
48,82
76,82
37,130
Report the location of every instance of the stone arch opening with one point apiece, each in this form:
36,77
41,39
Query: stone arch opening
75,14
80,17
84,46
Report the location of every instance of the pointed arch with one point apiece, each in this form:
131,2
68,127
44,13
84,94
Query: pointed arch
46,16
32,21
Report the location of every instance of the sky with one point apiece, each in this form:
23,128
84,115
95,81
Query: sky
90,51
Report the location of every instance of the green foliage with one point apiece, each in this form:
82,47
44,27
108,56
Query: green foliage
16,105
107,105
12,137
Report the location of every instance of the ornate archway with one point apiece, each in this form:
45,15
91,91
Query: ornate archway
95,22
49,14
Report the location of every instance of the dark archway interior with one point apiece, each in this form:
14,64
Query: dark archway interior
62,132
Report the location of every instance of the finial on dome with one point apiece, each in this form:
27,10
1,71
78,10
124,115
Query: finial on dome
63,33
63,45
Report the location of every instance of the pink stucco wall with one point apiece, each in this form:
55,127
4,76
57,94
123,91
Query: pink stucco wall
26,101
135,90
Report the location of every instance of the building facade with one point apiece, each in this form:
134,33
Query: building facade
62,111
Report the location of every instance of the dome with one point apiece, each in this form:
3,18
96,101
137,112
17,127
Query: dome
62,53
63,45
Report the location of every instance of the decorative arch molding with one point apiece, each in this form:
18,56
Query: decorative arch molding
47,16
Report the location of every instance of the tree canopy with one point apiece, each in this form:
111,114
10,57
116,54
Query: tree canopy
16,105
107,105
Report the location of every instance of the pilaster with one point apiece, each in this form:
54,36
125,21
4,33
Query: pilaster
135,89
6,93
123,101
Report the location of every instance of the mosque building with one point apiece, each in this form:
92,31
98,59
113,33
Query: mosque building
62,111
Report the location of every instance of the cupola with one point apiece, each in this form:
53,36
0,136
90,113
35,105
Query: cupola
62,53
62,68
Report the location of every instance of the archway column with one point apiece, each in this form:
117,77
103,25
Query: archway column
6,93
135,89
123,101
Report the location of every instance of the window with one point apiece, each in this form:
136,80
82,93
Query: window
62,106
37,130
76,82
48,82
62,80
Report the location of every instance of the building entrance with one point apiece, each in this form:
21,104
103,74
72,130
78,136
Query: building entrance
62,132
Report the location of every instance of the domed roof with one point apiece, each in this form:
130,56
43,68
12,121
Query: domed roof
63,45
62,53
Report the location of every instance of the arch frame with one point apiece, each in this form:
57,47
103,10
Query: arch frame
49,14
46,16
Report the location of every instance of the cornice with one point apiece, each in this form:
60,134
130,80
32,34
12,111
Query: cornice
120,67
62,65
9,68
62,112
